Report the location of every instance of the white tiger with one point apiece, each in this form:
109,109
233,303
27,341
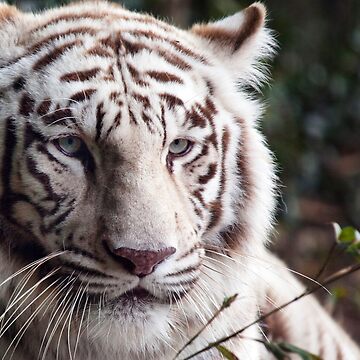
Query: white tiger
136,191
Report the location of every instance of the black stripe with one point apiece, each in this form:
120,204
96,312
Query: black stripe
85,270
148,122
43,150
18,239
54,54
44,180
76,250
99,120
190,282
9,146
61,218
59,117
163,123
184,271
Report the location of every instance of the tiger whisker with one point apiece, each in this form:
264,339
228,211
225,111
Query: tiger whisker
211,313
55,111
99,305
70,318
88,322
65,98
54,298
268,299
180,306
14,295
225,267
96,321
109,330
81,321
63,318
269,263
62,119
28,322
212,269
198,312
18,294
39,261
52,317
205,306
202,283
229,269
11,320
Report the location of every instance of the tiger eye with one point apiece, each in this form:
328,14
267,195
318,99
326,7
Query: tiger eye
179,147
69,145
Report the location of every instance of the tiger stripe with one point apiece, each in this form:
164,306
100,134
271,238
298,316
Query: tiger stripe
164,77
57,117
26,105
44,107
52,38
100,113
80,75
82,95
51,57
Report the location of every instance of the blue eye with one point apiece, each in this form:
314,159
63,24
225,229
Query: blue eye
69,145
179,147
73,146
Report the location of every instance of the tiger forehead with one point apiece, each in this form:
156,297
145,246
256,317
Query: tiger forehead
112,29
114,59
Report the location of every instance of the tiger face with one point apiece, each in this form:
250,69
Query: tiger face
129,153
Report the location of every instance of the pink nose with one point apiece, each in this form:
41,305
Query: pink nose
141,262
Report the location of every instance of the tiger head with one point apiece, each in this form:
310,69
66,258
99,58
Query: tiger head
130,161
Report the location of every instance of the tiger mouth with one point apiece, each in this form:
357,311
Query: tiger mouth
141,297
138,294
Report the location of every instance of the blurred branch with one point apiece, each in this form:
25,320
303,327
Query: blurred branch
226,303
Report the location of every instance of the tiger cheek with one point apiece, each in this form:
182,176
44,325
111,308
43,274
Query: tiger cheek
200,179
54,191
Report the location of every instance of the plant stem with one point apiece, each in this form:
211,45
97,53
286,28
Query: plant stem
224,305
327,260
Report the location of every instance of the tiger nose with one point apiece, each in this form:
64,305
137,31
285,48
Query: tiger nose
141,262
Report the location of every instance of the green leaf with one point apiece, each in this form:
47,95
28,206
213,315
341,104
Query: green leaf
305,355
347,235
339,292
228,301
276,350
226,353
354,248
281,349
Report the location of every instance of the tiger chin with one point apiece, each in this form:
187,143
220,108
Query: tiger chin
136,191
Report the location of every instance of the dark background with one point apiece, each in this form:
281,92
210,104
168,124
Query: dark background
312,124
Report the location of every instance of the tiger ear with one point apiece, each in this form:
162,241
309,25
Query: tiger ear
8,14
12,26
239,41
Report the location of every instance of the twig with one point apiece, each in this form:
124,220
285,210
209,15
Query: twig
327,261
336,276
226,303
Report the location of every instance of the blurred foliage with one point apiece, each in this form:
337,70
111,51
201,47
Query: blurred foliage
313,117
